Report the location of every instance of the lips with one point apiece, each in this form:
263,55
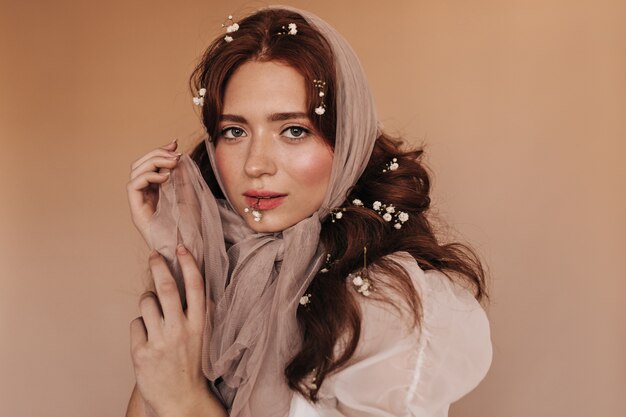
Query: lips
264,200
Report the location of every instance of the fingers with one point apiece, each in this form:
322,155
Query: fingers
144,180
154,164
138,334
166,289
151,314
194,286
147,173
136,198
163,151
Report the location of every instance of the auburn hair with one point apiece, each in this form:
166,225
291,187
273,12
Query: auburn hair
330,327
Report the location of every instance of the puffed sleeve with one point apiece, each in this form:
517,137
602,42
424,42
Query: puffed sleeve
402,371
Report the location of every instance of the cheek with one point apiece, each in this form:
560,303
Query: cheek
312,169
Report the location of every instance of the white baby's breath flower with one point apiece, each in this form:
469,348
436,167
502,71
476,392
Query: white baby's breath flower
403,217
358,281
376,205
202,91
397,226
357,202
304,300
338,215
393,166
292,28
390,209
228,38
320,110
387,217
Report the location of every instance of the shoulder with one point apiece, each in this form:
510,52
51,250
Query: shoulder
452,321
455,337
444,302
398,368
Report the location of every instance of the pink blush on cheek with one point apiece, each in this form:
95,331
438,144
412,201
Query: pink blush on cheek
311,166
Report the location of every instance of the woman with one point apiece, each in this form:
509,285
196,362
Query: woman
327,292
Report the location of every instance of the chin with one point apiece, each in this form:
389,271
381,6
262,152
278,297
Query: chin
259,227
268,225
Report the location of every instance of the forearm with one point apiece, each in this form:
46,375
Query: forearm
200,406
136,405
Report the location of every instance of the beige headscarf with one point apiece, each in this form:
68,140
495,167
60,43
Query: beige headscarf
254,281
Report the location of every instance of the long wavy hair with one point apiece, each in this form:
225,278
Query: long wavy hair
335,316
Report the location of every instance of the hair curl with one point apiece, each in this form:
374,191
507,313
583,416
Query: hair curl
334,319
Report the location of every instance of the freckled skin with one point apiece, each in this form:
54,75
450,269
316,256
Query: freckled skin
259,153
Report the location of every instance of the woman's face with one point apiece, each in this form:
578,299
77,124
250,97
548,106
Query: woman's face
269,157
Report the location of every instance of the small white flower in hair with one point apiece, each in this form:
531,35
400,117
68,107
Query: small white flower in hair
305,299
387,217
336,214
392,166
199,99
321,86
357,280
377,205
390,209
230,28
357,202
292,28
397,226
403,217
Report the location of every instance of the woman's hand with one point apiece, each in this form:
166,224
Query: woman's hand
146,174
166,343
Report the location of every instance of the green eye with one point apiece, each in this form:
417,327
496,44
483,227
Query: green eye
296,132
233,133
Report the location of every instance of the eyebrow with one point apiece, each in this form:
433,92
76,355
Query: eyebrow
274,117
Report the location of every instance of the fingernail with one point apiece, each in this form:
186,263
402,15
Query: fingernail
166,174
181,249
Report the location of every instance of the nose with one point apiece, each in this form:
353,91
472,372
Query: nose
260,160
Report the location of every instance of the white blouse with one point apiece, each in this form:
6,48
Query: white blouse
402,371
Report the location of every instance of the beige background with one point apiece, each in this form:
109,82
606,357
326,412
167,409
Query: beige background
522,105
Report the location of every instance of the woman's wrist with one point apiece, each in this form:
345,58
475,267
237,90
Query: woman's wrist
200,404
